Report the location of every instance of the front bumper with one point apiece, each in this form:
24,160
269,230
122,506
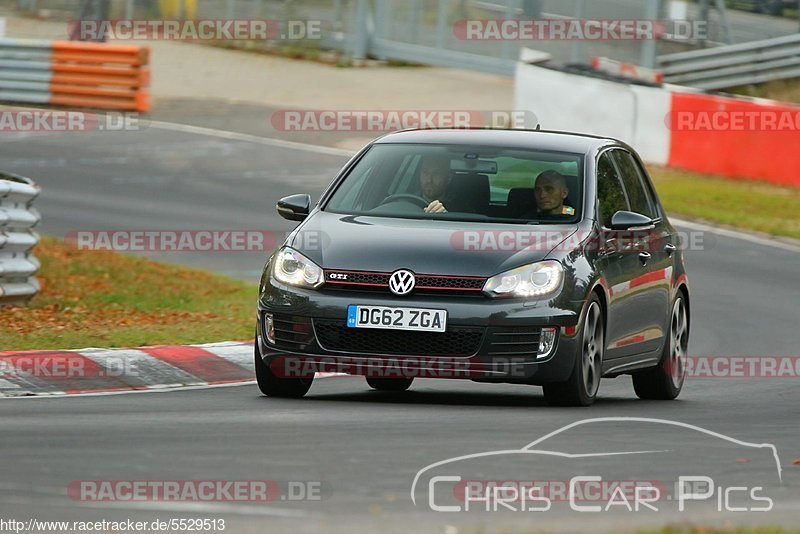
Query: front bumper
304,348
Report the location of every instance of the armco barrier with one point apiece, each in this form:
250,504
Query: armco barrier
17,237
649,119
734,65
75,74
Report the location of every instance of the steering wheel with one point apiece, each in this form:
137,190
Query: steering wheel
413,199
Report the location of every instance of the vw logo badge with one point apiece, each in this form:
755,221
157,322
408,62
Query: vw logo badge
402,282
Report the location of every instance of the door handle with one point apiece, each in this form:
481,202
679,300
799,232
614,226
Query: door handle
670,249
644,257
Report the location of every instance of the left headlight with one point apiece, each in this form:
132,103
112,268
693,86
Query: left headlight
536,280
292,268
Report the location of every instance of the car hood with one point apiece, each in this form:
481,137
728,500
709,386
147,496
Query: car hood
383,244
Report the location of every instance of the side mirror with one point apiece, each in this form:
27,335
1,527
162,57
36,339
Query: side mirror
295,207
628,220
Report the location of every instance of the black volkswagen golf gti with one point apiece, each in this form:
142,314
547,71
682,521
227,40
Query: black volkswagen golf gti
513,256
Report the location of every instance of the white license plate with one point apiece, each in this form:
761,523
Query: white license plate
418,319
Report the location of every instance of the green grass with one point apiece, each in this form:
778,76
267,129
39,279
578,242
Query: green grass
105,299
782,90
709,530
742,204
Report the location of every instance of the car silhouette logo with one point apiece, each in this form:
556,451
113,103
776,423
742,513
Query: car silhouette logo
402,282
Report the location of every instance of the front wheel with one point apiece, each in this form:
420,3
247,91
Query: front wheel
274,386
581,387
665,381
390,384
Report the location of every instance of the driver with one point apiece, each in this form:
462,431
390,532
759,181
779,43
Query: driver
434,178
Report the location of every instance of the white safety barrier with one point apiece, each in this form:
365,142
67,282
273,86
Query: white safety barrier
564,101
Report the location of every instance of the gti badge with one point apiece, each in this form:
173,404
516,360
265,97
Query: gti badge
402,282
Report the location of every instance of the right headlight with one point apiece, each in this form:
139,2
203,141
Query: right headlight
537,280
292,268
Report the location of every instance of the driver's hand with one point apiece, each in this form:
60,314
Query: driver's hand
435,207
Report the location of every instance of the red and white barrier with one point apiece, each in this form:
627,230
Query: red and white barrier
626,70
670,125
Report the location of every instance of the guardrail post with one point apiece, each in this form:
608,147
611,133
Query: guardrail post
650,46
441,24
382,17
511,12
362,35
726,24
413,19
577,45
18,217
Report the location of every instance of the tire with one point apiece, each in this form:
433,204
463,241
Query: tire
580,389
273,386
665,381
390,384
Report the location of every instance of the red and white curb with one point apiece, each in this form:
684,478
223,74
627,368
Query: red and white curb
70,372
60,372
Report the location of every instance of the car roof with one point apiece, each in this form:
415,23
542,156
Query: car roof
521,139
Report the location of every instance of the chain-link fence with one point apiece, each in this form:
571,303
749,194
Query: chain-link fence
427,31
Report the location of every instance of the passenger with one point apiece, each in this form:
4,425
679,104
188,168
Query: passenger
551,192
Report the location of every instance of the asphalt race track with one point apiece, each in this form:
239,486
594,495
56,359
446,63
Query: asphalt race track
364,448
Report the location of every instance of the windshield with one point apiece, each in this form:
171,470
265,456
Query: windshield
458,182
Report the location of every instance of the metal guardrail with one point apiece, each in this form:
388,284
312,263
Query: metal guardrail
734,65
75,74
25,71
18,218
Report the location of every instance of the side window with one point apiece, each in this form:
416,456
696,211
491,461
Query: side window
633,181
610,194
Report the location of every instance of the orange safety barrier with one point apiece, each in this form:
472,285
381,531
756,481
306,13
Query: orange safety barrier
99,75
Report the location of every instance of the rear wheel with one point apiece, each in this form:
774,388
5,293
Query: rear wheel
665,381
390,384
581,387
274,386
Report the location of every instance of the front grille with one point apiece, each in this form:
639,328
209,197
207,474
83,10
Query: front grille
514,341
356,278
336,336
292,332
450,282
426,283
